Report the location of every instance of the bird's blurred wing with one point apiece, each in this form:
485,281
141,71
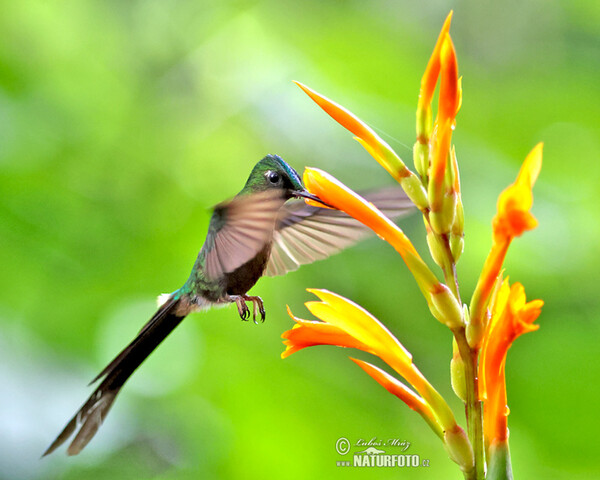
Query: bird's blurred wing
304,233
239,230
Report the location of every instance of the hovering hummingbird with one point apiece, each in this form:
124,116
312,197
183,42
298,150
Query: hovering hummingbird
262,230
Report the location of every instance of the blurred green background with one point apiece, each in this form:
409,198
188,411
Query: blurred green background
123,122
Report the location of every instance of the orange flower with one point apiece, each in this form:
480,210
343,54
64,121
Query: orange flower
512,219
338,195
511,317
447,109
348,325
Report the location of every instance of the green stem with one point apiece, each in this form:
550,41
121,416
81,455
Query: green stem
473,406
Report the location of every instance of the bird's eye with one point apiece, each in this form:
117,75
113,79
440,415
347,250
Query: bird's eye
273,177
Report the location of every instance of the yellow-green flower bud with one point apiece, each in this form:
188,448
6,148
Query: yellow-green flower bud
437,251
457,373
457,245
445,308
459,448
421,159
414,189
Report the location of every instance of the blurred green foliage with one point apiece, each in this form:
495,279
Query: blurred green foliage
121,123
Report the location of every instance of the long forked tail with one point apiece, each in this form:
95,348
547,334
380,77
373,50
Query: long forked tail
94,410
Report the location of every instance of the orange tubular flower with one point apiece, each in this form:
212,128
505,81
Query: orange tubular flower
447,109
333,192
512,219
511,317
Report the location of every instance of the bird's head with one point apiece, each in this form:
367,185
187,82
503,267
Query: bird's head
273,173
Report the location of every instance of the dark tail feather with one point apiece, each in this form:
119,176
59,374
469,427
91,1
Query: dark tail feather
92,413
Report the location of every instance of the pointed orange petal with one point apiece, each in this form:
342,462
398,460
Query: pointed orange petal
375,145
343,116
432,71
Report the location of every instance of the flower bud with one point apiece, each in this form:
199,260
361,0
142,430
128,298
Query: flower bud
445,308
457,373
459,448
414,189
421,157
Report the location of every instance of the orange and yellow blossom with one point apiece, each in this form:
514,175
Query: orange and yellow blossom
346,324
511,317
512,219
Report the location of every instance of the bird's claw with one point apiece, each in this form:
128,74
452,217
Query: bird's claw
244,311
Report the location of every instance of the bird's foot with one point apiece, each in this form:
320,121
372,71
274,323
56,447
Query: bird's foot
244,311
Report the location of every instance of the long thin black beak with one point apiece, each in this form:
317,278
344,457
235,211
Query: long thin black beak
310,196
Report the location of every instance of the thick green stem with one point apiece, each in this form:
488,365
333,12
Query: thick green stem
473,406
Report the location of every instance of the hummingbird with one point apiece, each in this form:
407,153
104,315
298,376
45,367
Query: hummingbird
266,229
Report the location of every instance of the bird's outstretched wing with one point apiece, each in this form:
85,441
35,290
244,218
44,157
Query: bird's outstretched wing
239,230
304,233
